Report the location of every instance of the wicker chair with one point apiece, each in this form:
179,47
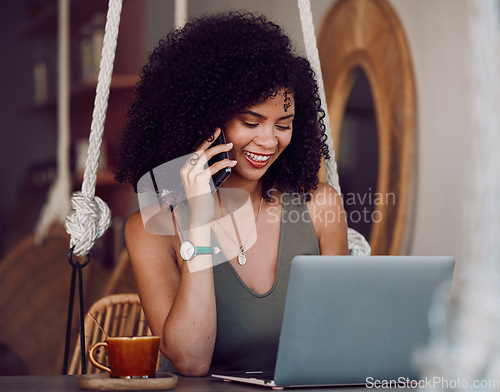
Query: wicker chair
119,315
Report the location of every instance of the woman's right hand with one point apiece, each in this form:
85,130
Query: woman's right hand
196,179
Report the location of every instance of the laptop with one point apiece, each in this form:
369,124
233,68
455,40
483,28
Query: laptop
354,320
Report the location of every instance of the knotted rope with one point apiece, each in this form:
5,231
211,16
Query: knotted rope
91,216
358,245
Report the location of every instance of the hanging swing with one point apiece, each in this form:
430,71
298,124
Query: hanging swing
90,216
358,245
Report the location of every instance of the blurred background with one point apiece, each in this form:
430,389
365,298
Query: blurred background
426,137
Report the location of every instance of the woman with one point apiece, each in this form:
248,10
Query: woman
233,73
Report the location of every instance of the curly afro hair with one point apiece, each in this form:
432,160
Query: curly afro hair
201,75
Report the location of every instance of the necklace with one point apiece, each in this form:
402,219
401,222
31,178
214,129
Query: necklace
242,258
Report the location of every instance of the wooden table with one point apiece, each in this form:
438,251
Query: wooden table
202,384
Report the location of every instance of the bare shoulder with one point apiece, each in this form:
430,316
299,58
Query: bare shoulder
329,219
134,225
143,246
325,197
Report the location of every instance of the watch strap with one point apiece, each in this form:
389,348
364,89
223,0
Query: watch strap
189,250
203,250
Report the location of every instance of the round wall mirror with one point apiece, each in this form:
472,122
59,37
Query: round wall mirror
357,156
365,58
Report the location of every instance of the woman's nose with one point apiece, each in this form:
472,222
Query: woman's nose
266,138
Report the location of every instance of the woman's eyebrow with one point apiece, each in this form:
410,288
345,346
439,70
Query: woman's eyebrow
252,113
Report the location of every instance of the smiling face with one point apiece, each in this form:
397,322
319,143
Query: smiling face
259,135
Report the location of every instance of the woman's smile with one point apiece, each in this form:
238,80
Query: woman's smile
257,160
259,134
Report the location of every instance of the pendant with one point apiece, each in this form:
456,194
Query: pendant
242,258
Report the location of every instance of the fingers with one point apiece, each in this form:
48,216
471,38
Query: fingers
211,152
206,143
199,158
196,166
195,172
195,161
218,166
204,152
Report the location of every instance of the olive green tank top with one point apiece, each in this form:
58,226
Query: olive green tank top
249,323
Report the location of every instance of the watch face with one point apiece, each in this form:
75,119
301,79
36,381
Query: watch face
187,250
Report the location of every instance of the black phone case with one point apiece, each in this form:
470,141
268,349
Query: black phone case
219,177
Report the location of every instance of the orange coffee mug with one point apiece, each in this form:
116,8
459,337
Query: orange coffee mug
129,357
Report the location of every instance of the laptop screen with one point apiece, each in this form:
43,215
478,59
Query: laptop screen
348,318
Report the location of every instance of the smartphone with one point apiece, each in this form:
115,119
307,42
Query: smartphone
219,177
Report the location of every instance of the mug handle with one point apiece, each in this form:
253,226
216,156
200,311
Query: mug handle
93,360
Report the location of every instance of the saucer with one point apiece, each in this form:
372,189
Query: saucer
102,382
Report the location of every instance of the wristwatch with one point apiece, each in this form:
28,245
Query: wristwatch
189,251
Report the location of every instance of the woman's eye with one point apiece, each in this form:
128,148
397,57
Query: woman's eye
283,127
250,125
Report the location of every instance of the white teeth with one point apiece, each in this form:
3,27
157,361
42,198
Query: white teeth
258,158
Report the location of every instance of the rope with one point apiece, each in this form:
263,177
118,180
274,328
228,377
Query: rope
180,13
358,245
312,54
58,204
91,216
